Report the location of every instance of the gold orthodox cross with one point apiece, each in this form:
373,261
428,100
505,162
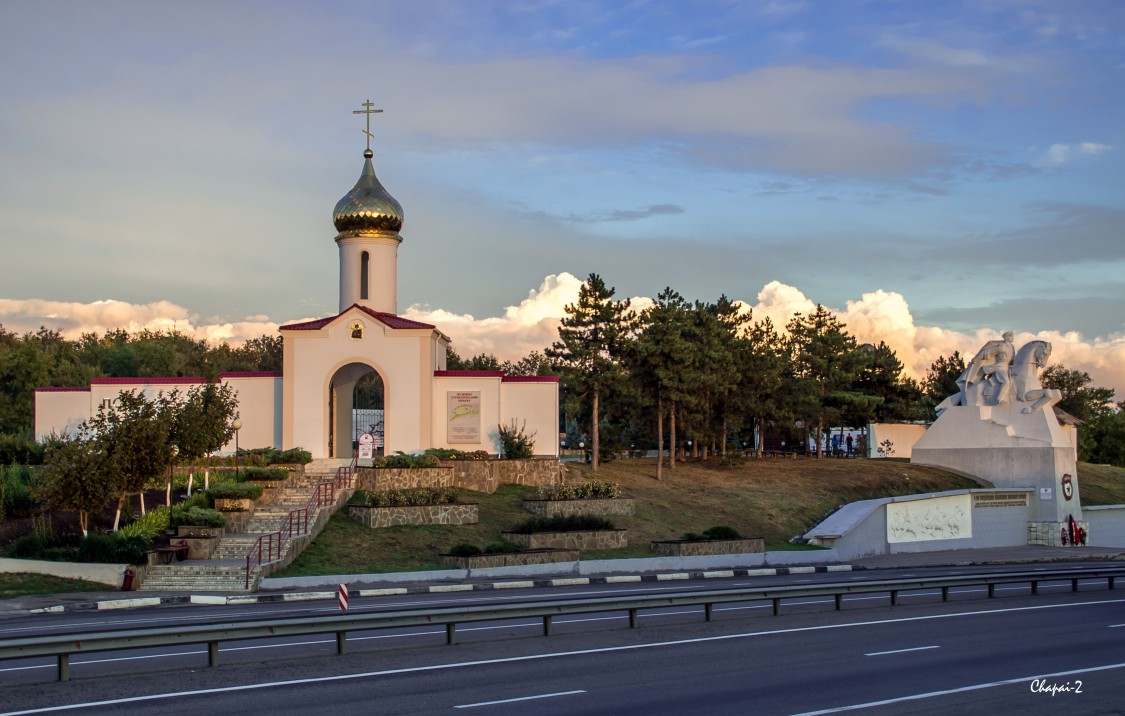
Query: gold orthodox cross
367,111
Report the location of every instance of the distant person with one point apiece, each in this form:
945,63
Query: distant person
849,442
835,445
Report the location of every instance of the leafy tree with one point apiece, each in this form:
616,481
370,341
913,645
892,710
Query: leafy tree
534,363
1080,399
75,477
133,432
591,342
481,361
200,423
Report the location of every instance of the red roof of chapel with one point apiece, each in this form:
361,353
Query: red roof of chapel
389,320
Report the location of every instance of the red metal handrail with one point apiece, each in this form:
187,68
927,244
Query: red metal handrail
297,521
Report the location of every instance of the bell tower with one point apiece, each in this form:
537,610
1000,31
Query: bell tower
368,220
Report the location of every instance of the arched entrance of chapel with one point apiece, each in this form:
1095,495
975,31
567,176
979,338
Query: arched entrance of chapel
353,387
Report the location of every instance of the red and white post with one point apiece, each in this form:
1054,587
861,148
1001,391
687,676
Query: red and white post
342,597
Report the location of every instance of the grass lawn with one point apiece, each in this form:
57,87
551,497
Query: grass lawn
22,584
1101,484
773,499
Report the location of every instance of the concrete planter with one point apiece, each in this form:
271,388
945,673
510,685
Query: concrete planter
696,548
243,502
514,559
199,532
601,507
449,514
585,540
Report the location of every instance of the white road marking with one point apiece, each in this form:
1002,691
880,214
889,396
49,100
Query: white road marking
959,690
521,698
901,651
601,650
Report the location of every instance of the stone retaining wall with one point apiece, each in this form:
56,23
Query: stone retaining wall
586,540
478,475
602,507
451,514
696,548
373,479
514,559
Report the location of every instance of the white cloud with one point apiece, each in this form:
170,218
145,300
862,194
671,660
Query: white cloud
1062,153
532,325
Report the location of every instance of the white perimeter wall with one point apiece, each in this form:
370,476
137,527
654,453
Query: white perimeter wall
60,411
259,409
902,435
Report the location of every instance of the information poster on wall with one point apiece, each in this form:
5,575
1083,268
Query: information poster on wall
463,410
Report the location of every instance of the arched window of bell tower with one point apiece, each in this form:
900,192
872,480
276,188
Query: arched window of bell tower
364,273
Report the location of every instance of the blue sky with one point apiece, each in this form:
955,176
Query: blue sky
966,156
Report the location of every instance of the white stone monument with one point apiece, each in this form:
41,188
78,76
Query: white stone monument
1000,427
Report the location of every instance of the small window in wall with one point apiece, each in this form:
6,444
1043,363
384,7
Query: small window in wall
364,272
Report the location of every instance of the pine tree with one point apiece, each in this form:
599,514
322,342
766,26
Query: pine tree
588,353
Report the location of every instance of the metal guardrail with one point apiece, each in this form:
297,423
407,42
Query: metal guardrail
270,546
63,646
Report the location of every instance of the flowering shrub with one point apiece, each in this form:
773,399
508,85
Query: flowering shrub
453,454
588,490
408,496
402,460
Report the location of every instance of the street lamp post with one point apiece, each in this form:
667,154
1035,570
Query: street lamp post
237,425
168,492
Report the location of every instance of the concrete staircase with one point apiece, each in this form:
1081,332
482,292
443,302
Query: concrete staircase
225,571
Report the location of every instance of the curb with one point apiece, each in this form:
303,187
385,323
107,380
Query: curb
238,599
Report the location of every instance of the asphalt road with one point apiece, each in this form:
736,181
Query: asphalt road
970,654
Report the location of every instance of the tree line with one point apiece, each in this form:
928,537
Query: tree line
710,375
676,371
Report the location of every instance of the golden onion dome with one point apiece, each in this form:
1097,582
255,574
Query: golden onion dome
368,209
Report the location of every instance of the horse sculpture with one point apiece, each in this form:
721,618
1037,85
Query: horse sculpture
1025,377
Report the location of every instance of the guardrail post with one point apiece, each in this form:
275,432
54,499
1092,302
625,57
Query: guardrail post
894,597
64,667
945,594
777,606
839,602
1074,584
1034,587
451,633
546,625
991,590
212,653
1111,581
341,638
632,618
707,608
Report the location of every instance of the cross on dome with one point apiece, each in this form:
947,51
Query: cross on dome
368,112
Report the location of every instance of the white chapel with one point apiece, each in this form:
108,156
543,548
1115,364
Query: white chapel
333,364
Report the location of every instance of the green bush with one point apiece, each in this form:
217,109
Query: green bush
20,449
264,474
61,554
98,548
563,523
502,547
202,498
28,546
515,443
197,517
410,496
692,537
588,490
402,460
148,525
235,491
453,454
15,491
721,532
464,549
293,456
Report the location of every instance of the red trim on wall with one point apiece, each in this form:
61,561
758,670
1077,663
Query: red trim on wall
63,390
468,374
175,380
530,379
251,374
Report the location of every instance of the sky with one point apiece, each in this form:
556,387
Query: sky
934,172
